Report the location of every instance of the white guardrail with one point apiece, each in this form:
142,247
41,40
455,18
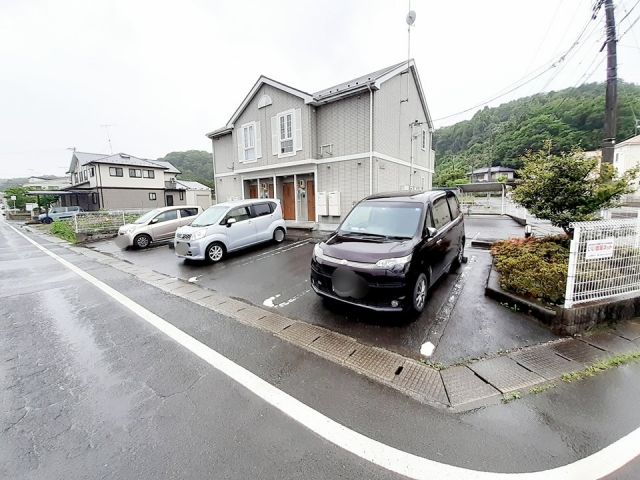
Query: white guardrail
604,261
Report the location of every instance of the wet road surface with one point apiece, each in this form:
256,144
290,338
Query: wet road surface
88,390
467,326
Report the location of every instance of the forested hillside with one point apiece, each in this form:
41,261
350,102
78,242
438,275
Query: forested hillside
196,165
572,117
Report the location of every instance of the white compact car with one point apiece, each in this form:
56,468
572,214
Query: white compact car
156,225
230,226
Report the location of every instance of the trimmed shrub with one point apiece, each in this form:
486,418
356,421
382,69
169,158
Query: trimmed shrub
534,267
63,230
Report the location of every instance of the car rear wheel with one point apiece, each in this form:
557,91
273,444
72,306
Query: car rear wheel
418,299
455,265
278,235
142,241
215,252
47,220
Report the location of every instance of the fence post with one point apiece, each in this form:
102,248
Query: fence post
75,223
123,217
571,273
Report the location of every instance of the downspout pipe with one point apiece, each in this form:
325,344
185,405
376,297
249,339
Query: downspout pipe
370,139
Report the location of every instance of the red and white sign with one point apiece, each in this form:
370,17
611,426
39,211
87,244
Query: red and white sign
599,248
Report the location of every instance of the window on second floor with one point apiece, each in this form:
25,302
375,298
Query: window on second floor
285,122
115,171
423,144
148,174
135,173
249,137
92,172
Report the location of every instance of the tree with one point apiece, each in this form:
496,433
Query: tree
21,197
196,165
568,187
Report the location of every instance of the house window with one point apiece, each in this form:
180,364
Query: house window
92,172
181,195
152,196
286,132
135,173
249,134
424,140
148,174
115,171
94,198
75,178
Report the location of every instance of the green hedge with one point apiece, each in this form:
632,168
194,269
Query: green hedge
63,230
534,267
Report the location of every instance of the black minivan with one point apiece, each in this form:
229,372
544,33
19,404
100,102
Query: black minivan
390,250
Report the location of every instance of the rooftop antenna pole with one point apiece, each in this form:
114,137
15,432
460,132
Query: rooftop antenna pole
106,127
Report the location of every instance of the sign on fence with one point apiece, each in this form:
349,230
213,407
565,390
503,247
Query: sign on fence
599,249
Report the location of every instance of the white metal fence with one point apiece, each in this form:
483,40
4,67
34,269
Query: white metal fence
604,261
103,221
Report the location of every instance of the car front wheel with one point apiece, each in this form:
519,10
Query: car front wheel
215,252
418,299
142,241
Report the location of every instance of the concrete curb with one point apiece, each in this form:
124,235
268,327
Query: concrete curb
458,387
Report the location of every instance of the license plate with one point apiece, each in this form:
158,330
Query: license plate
181,248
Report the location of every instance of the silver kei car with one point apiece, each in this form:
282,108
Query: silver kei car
230,226
156,225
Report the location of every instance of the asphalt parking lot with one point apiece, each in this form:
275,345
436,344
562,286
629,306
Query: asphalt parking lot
459,321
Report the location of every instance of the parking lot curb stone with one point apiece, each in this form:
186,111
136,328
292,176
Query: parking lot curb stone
461,387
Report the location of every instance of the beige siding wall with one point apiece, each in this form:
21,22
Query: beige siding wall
116,199
228,188
392,119
344,125
223,153
281,102
127,182
350,178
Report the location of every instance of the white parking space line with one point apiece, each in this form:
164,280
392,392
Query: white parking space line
273,253
413,466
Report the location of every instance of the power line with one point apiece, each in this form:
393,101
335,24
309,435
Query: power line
629,12
630,27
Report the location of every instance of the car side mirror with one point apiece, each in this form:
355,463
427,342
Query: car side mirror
153,220
230,221
431,232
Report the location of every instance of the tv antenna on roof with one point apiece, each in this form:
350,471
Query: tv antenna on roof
106,126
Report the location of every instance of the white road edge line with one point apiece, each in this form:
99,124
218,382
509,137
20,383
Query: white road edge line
595,466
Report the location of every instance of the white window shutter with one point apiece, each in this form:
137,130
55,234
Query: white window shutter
241,144
297,128
258,139
275,136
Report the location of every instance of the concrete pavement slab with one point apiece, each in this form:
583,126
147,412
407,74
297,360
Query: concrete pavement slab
579,351
375,362
230,306
273,323
423,381
302,333
334,346
505,374
463,386
250,314
628,330
545,362
610,342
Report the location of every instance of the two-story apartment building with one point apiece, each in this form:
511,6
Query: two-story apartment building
122,181
627,156
321,153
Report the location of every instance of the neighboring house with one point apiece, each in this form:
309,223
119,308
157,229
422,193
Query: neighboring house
51,183
321,153
121,181
195,193
627,156
492,174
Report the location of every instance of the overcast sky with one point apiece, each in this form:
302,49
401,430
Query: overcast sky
164,73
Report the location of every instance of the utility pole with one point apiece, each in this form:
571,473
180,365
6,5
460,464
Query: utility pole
611,100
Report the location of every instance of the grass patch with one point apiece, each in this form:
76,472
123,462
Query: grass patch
435,365
510,397
534,267
601,366
542,388
63,230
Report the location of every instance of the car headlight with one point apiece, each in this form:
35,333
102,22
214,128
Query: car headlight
394,264
127,228
317,250
198,234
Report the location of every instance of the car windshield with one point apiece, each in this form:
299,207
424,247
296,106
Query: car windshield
210,216
383,219
147,216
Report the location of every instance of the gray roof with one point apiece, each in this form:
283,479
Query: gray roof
84,157
356,82
192,185
493,169
169,167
